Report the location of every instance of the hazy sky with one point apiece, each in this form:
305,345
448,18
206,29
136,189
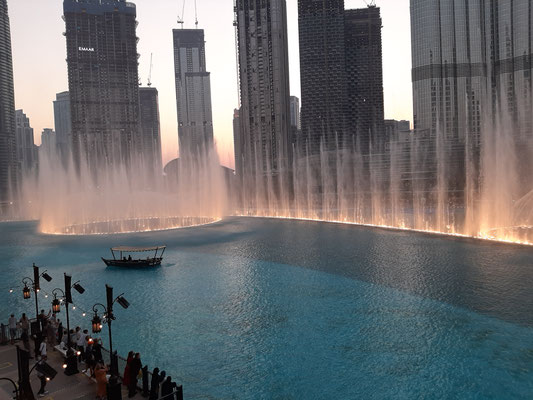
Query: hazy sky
40,69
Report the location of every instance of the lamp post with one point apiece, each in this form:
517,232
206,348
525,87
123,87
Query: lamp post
97,322
71,361
35,286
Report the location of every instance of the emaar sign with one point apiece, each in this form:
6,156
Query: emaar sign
86,48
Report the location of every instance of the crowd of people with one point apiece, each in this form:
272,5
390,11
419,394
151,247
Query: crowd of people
89,353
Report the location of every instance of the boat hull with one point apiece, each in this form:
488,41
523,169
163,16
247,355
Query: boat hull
152,262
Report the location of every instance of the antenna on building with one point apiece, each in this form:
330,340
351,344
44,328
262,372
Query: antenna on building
150,73
181,20
372,3
195,15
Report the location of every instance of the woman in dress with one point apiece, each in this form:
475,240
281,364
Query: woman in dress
101,381
126,376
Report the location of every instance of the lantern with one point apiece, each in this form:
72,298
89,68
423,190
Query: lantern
56,305
26,292
97,323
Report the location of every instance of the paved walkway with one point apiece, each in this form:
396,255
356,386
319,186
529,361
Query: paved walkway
62,387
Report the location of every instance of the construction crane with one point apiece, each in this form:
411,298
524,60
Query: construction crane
150,73
371,3
195,15
181,20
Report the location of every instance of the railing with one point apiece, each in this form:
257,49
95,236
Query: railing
121,362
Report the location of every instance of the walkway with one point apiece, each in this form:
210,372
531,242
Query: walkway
62,387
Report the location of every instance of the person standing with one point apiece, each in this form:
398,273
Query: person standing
101,381
135,367
80,343
59,331
25,323
126,376
51,332
42,349
166,388
97,350
154,386
12,322
26,341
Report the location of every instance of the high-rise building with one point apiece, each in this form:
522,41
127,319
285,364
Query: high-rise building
103,78
63,122
193,91
48,142
472,66
8,164
150,128
341,76
25,142
322,72
264,86
237,142
295,112
364,78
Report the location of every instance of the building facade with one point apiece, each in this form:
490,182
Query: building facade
341,76
193,91
322,72
472,70
264,86
150,128
63,123
295,112
26,158
364,79
8,158
103,79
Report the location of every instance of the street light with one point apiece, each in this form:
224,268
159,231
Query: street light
97,322
35,285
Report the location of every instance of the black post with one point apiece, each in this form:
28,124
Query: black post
179,394
110,317
68,280
23,361
36,288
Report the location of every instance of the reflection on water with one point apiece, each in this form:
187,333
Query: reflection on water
250,308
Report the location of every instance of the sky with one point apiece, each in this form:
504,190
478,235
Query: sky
40,69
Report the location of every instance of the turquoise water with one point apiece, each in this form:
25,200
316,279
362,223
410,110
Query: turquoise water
251,308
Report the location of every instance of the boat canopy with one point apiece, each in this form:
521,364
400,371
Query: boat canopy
127,249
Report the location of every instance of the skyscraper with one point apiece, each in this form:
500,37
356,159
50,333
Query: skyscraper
25,142
237,142
341,76
472,66
8,165
295,112
103,78
322,72
63,122
264,86
193,91
150,128
364,78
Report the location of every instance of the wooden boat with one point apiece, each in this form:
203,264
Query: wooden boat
122,257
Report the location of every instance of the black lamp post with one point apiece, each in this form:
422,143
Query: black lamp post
35,286
97,322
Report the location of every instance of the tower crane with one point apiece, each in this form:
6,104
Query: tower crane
150,73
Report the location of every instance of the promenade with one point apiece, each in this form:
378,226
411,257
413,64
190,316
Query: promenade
62,387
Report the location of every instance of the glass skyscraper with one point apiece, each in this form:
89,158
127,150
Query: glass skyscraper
193,91
103,79
8,160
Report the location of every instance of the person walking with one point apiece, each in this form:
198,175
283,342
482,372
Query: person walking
135,367
42,390
12,322
25,323
100,373
126,376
